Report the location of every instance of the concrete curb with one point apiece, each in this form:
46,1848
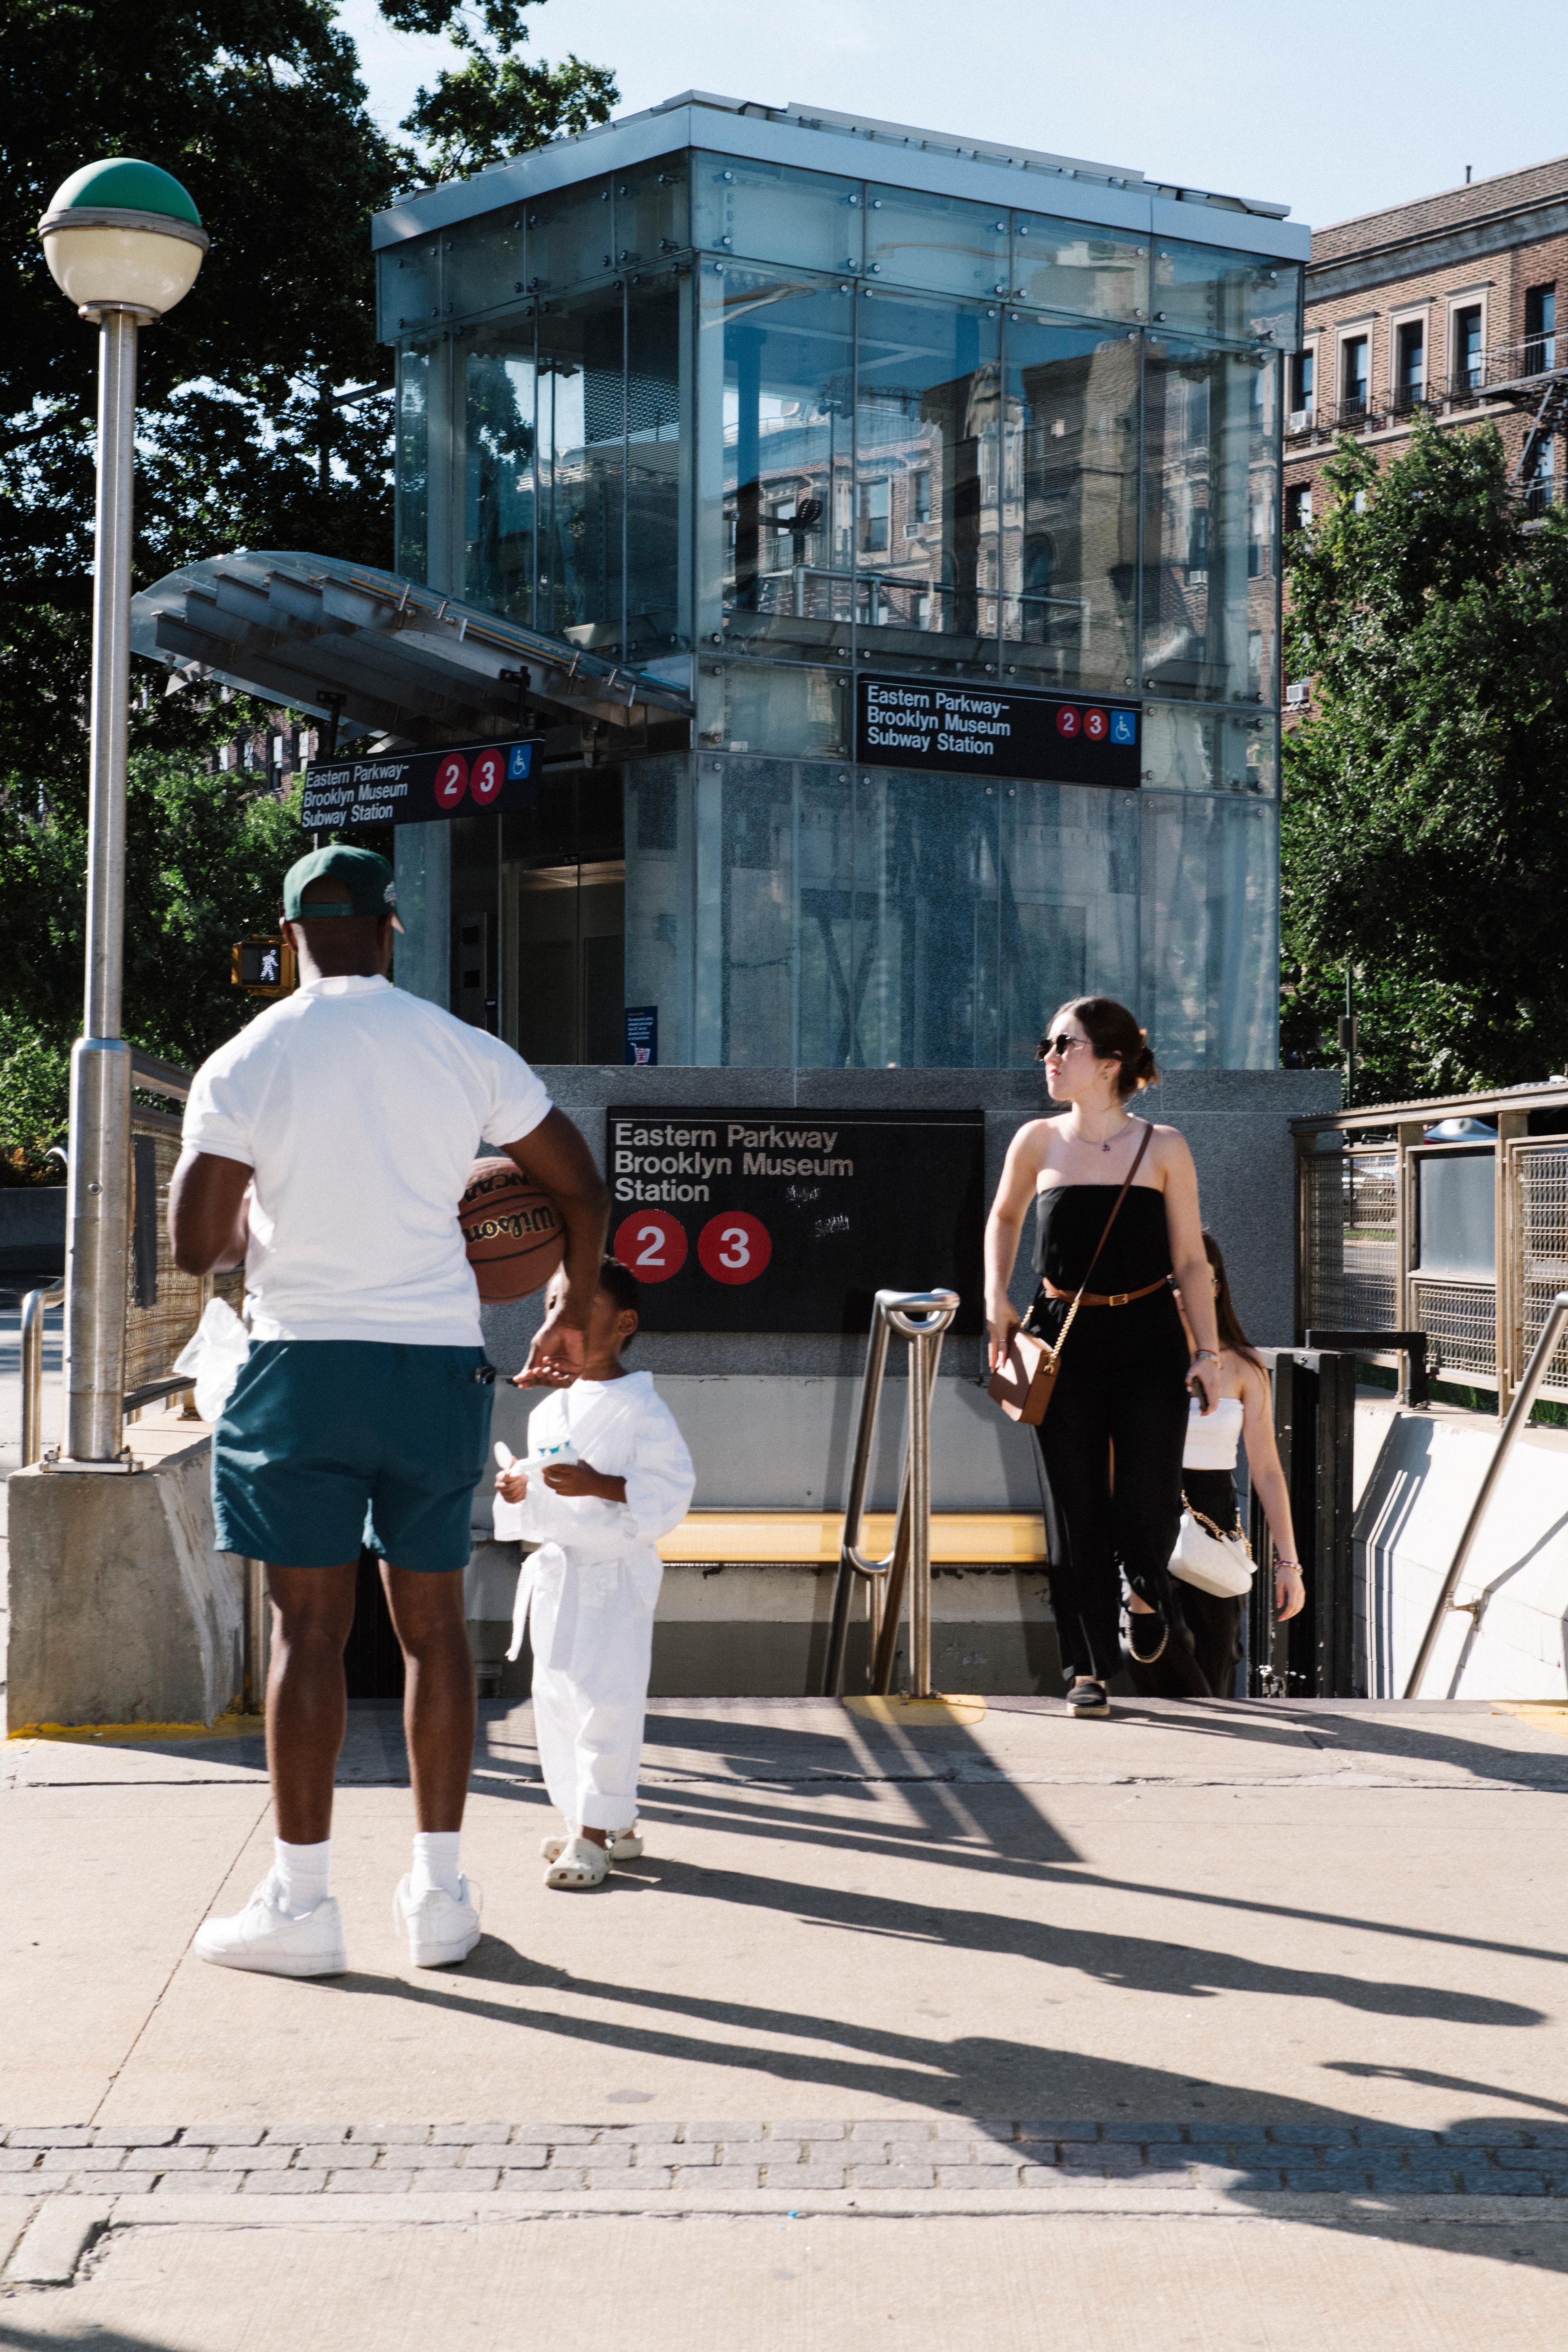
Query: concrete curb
55,2239
1115,2199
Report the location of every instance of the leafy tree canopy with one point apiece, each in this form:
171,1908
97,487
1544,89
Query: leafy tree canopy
1424,841
496,103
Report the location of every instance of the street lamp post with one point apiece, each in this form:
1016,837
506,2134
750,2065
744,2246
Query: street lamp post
123,242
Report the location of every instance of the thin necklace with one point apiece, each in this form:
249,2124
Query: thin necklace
1121,1131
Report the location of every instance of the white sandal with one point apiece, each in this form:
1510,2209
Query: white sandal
625,1846
579,1866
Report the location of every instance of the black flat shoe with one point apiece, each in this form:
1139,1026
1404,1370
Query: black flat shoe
1087,1698
1154,1624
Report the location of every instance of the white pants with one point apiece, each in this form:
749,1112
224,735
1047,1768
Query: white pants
592,1643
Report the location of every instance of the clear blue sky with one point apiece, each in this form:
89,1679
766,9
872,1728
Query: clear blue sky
1334,109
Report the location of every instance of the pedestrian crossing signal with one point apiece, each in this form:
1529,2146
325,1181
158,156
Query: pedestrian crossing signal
265,967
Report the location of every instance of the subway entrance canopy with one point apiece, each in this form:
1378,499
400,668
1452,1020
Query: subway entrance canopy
384,656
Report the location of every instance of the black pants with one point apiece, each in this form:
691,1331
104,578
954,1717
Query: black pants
1214,1624
1121,1386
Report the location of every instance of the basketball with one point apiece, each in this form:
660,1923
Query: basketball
511,1231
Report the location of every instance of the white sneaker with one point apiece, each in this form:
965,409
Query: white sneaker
275,1942
439,1930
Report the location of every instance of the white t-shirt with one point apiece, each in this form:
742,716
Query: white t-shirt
362,1110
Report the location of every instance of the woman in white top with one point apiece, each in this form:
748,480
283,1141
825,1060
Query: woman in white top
1245,1409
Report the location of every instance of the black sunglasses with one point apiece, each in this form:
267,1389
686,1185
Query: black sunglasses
1059,1044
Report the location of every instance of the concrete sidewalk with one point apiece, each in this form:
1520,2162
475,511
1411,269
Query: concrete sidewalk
1022,2025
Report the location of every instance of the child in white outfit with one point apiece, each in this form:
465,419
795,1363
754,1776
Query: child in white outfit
620,1477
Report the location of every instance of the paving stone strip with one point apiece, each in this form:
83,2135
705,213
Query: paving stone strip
1480,2159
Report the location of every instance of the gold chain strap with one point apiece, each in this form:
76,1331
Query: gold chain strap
1227,1536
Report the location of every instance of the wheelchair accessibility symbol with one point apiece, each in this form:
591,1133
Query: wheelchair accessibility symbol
1124,726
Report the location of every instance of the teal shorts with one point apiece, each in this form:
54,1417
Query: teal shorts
326,1444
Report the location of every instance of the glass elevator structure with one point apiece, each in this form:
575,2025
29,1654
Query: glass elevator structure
759,402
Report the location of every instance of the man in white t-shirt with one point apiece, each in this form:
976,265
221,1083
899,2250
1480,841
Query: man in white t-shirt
327,1147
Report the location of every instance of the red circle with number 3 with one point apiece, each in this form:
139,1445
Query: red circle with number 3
486,776
1096,726
734,1247
451,780
650,1245
1067,721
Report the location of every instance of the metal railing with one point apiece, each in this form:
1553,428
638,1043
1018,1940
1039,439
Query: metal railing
920,1317
1518,1413
1396,1233
34,1308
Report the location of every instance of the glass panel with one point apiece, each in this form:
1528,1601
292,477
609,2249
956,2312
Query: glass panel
484,265
939,242
412,559
1211,474
571,235
1059,265
581,465
1187,750
658,455
1070,506
498,490
1200,290
786,519
651,212
766,211
659,897
1069,870
1210,931
408,287
789,712
832,980
928,479
759,914
926,930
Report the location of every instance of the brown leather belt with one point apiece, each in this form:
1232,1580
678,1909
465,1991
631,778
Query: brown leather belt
1106,1298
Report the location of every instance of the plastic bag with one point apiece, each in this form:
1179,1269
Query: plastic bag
506,1518
214,1356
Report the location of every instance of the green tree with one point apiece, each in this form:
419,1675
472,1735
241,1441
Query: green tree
496,103
1424,840
204,856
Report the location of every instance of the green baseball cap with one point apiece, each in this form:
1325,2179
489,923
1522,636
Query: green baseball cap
368,887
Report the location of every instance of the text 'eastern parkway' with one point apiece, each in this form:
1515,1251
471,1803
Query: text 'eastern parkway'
920,719
674,1162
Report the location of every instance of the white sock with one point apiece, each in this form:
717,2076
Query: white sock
303,1872
436,1863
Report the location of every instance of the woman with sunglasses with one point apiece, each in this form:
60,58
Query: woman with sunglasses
1112,1437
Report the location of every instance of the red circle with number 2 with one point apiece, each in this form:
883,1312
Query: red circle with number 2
451,780
650,1245
734,1247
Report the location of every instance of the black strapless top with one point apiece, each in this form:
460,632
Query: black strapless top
1070,1220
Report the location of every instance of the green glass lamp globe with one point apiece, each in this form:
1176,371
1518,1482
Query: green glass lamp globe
123,235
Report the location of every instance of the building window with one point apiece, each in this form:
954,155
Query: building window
1409,366
1539,328
1303,384
1353,365
874,510
920,498
1298,505
1540,479
1468,366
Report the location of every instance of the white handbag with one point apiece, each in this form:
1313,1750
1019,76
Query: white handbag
1216,1563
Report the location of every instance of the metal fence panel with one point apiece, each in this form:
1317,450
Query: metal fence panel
162,1305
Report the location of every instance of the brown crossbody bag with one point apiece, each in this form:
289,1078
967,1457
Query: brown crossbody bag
1023,1386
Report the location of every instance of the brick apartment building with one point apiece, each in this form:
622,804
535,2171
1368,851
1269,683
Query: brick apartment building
1447,306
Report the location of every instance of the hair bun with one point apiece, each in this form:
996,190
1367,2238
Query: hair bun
1141,1068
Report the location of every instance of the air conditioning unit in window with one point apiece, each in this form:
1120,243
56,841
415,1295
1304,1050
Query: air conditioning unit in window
1298,692
1298,421
913,529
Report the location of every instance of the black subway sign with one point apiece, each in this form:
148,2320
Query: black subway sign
751,1219
419,787
995,730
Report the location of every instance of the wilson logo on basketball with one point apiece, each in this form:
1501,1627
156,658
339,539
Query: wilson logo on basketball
511,1231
